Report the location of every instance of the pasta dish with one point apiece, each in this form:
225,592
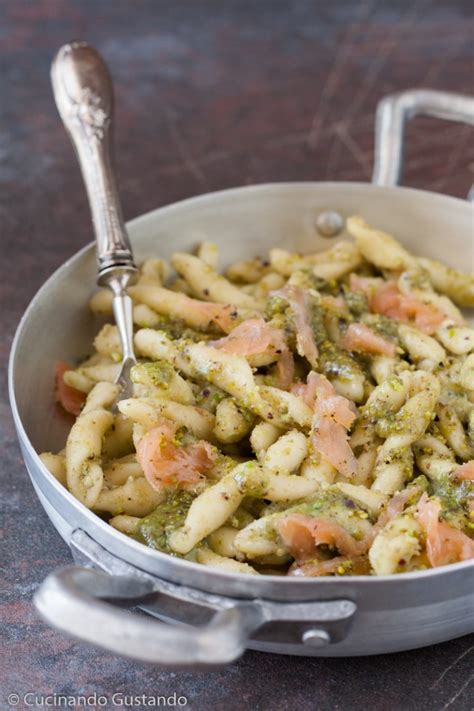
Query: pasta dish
302,415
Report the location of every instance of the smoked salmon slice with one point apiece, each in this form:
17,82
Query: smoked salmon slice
68,397
285,369
318,568
166,464
253,337
299,304
333,416
465,472
362,339
388,300
444,544
301,534
223,315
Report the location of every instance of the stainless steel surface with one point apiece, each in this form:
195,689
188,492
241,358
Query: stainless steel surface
71,599
316,638
395,110
329,223
392,613
123,314
83,91
84,97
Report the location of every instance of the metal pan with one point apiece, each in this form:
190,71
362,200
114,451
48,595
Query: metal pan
220,614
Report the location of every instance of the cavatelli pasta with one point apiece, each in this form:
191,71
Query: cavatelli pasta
312,413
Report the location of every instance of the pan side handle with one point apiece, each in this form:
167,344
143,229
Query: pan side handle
395,110
77,601
87,601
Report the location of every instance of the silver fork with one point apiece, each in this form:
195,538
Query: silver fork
83,92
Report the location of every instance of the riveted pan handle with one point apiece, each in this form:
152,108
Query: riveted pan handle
73,600
77,601
395,110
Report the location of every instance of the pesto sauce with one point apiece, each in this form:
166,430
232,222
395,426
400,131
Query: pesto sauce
276,306
247,414
306,279
455,498
154,529
248,484
302,279
356,301
158,372
320,333
333,360
453,495
420,484
173,328
190,334
209,396
384,326
326,286
417,279
176,329
333,504
336,362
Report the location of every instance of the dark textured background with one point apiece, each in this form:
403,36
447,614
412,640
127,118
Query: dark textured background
209,95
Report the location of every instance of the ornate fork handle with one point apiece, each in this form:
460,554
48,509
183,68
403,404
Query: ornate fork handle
84,96
83,92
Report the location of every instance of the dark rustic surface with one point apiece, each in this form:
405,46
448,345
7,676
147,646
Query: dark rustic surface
210,95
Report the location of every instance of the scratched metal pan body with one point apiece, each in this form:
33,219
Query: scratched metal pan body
324,616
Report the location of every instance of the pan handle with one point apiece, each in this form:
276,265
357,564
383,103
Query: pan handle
395,110
73,599
77,601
